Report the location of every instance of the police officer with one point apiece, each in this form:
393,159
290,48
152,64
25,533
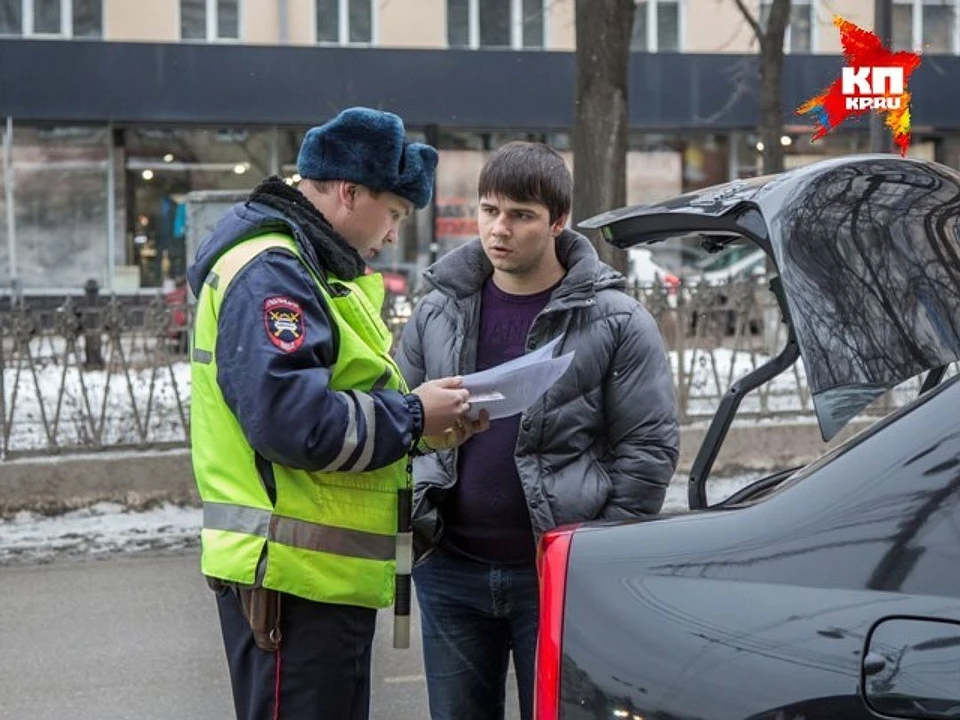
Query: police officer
301,424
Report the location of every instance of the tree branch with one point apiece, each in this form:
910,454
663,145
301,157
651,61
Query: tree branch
744,83
751,21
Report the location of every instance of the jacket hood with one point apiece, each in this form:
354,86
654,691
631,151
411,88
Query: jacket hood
462,272
239,223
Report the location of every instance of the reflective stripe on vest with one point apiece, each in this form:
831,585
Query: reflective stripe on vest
298,533
233,261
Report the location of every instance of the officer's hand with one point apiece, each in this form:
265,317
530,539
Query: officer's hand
457,435
444,403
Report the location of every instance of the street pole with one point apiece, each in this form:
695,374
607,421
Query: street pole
432,133
883,27
9,180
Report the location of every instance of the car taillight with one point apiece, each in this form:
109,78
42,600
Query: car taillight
672,282
553,555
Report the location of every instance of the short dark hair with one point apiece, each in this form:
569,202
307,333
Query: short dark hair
325,187
528,172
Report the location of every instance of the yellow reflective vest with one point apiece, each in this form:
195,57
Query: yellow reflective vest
330,536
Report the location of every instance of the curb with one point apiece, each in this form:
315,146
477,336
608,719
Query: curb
54,484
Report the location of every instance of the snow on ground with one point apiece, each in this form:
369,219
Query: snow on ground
109,529
101,529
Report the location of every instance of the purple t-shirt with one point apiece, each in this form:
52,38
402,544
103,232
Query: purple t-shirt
485,514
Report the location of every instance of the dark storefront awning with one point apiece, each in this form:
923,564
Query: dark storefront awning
92,81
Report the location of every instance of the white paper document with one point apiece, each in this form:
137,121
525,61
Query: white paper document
512,387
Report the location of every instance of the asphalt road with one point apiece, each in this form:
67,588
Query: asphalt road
137,638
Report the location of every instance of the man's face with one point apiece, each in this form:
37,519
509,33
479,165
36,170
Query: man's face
517,237
373,221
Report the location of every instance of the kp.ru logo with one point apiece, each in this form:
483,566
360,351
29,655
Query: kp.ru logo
873,80
872,88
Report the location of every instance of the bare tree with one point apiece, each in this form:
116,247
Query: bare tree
769,37
604,29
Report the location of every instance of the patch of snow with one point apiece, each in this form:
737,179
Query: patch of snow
110,528
101,529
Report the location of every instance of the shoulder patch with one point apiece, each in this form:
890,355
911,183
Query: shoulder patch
284,322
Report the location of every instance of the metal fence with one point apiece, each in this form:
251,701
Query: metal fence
84,374
80,377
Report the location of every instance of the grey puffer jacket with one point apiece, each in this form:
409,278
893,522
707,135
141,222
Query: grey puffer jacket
603,442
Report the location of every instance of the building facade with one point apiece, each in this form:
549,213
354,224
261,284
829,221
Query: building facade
112,111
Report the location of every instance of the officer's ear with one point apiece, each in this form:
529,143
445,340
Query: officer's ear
347,194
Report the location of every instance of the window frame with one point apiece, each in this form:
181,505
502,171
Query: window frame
653,27
27,17
516,27
343,25
916,23
211,17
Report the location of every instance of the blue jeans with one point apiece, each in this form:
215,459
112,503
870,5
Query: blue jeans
472,615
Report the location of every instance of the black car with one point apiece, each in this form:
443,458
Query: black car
827,591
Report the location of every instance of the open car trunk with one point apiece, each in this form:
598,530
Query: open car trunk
867,255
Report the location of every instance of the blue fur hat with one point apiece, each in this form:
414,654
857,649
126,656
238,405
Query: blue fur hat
368,147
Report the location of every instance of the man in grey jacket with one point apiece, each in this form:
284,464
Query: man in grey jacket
601,443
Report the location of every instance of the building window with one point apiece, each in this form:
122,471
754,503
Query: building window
210,20
47,18
52,18
163,165
59,211
656,26
345,22
10,17
799,37
516,24
494,22
931,26
532,24
88,18
193,19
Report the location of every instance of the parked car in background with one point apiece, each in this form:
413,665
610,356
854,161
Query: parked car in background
740,263
398,303
824,591
733,277
395,282
646,273
680,256
178,331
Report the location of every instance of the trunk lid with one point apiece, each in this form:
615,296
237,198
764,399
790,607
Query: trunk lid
868,252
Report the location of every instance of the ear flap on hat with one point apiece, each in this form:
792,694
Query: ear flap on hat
417,170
